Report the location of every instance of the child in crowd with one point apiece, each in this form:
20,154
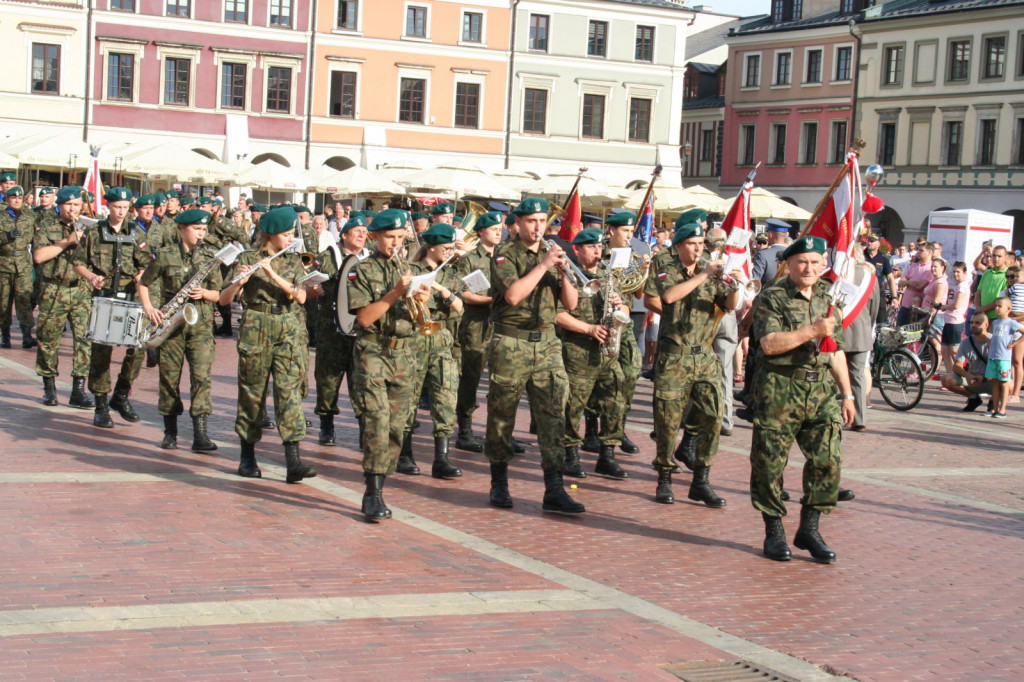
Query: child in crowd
1000,356
1015,292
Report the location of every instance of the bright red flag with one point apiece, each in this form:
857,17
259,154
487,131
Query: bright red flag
835,224
93,183
739,214
572,221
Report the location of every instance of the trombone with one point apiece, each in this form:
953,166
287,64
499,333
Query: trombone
586,286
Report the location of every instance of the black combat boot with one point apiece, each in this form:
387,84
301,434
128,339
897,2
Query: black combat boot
518,446
5,337
374,508
152,357
224,330
170,441
119,401
807,536
499,486
27,340
627,446
49,391
326,429
590,441
607,466
556,499
247,466
296,469
442,468
200,438
663,495
79,398
102,417
572,466
406,463
775,546
466,439
701,490
845,495
265,421
686,452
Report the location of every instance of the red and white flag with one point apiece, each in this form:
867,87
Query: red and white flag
739,217
835,223
93,183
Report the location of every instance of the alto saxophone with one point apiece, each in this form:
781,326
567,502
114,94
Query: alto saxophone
614,319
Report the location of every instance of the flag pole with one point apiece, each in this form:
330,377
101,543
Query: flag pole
579,176
650,188
858,144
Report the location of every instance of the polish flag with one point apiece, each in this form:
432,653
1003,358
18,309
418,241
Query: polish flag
835,224
92,181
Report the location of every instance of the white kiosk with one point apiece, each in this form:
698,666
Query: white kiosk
962,232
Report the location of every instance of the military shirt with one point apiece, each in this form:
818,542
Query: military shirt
368,281
591,308
96,251
477,259
260,290
14,251
536,311
689,321
46,216
173,268
61,268
448,278
782,308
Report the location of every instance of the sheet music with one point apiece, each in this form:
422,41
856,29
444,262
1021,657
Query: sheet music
620,258
420,281
476,281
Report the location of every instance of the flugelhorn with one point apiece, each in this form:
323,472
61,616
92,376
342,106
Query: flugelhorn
586,286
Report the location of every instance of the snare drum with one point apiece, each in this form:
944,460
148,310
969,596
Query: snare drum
114,322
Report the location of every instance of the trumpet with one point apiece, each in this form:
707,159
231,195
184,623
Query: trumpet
586,286
296,245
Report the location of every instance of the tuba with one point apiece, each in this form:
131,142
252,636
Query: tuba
473,212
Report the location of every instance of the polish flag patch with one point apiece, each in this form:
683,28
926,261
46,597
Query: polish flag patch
352,274
662,275
499,260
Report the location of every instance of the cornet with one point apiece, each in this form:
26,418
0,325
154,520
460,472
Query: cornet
586,286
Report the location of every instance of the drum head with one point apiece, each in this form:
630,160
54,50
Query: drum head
346,320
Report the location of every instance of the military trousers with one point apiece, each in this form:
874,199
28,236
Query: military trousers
593,379
334,361
437,373
196,344
785,410
271,346
99,367
630,361
62,305
682,379
16,290
386,377
475,339
537,366
724,346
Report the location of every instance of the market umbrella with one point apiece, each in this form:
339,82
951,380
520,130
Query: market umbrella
8,161
354,181
460,178
668,197
764,204
58,151
513,178
270,175
594,195
397,169
172,161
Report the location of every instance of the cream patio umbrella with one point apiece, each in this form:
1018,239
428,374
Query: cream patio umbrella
57,151
354,181
513,178
8,160
594,195
458,177
398,169
668,197
173,162
764,204
270,175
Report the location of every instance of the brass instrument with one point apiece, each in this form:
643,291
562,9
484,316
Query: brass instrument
473,212
613,319
633,278
420,311
586,286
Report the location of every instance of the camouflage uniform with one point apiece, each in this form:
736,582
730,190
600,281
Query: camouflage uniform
16,267
173,268
270,343
474,336
385,361
64,299
334,350
795,400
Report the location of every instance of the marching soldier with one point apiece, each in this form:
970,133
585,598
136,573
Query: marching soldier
111,258
173,268
796,400
17,229
47,211
7,181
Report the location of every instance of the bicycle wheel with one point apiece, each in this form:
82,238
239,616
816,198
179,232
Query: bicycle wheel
927,354
901,379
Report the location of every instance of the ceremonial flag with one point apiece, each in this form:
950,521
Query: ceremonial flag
835,222
572,221
856,305
645,226
92,180
739,213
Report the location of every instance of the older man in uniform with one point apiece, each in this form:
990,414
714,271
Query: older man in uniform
797,400
7,181
47,211
766,261
17,229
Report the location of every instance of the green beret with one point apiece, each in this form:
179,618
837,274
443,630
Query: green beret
203,201
354,221
391,219
68,193
218,203
8,177
443,208
257,208
193,216
118,194
488,220
805,245
510,219
279,220
172,194
15,191
159,198
373,214
531,205
694,215
591,235
686,231
145,200
92,197
47,190
301,209
187,200
439,234
620,219
419,215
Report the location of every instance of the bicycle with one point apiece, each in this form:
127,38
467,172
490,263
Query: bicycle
926,345
896,370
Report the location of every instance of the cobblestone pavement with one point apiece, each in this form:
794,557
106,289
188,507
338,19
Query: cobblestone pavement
124,561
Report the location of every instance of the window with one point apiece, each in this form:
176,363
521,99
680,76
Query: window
539,32
348,13
593,116
778,143
886,143
472,27
995,57
813,73
411,100
126,5
954,135
120,76
232,86
467,105
844,63
987,142
893,67
639,119
752,64
644,44
343,94
747,145
1020,55
959,60
838,142
1019,155
847,6
279,89
236,10
597,39
783,62
809,155
416,22
45,68
707,145
280,12
176,80
178,8
535,109
787,10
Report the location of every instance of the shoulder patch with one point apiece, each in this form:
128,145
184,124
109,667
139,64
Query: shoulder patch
499,260
352,274
662,275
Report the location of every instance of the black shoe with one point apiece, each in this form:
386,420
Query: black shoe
5,338
590,441
406,463
170,441
296,469
533,426
518,446
119,401
973,403
326,429
784,496
374,509
746,414
556,499
648,374
775,547
79,398
628,447
266,422
102,417
49,391
663,495
27,341
152,357
442,468
701,490
247,466
807,536
845,495
223,331
200,438
499,486
572,466
686,452
607,466
466,439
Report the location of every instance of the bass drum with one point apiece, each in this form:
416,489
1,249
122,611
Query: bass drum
346,320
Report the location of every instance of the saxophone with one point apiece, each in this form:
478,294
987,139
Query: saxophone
614,319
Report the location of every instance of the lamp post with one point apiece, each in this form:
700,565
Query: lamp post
687,151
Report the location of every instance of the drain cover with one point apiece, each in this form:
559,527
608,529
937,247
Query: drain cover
725,671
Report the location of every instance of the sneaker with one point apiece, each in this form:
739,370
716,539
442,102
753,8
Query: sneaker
999,415
989,413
